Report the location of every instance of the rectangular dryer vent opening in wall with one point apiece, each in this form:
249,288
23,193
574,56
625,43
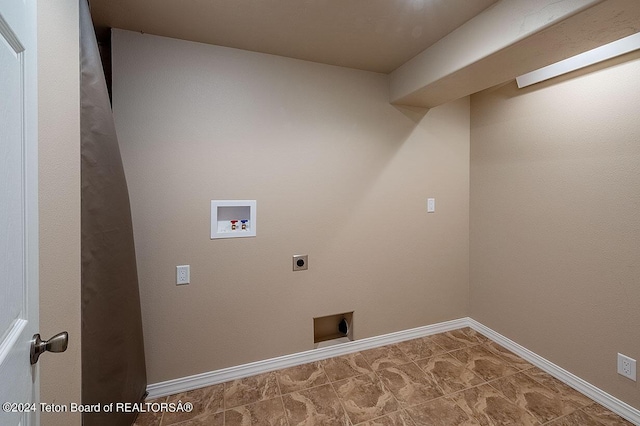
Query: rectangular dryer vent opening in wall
332,329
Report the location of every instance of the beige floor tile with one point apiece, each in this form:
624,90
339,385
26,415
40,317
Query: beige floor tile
301,377
385,356
480,338
365,398
409,384
448,342
539,400
577,418
466,336
592,415
314,407
489,407
250,389
441,412
215,419
565,391
506,354
399,418
421,348
455,378
484,363
343,367
268,412
150,418
448,373
605,416
205,401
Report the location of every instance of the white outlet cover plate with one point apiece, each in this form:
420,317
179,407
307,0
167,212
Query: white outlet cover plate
630,371
431,205
183,274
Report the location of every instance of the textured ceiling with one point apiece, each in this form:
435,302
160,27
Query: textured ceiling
374,35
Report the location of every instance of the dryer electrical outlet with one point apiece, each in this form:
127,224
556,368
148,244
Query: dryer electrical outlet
300,262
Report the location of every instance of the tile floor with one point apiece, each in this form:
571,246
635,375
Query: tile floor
454,378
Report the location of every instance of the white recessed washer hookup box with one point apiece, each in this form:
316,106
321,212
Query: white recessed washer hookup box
233,218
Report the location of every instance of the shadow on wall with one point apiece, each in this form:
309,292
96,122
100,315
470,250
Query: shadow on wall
415,114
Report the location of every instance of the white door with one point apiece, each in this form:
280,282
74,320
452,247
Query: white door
18,212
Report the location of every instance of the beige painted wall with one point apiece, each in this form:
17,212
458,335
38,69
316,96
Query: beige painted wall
555,219
337,172
59,201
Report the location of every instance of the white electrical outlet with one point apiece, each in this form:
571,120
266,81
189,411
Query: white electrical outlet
431,205
627,367
183,274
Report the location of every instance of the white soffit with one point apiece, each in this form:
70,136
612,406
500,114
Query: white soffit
599,54
510,39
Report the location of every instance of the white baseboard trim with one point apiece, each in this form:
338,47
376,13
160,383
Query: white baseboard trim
598,395
184,384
